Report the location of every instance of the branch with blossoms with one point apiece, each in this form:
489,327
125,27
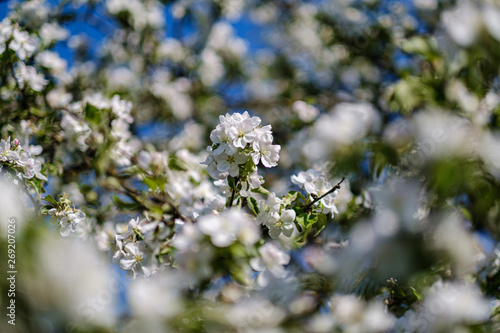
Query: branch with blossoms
214,234
23,168
316,198
239,144
247,258
19,163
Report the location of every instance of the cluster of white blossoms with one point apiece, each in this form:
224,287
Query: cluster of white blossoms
352,314
15,158
77,131
196,244
316,184
447,306
135,249
27,76
274,216
239,144
67,217
228,227
23,45
142,14
21,42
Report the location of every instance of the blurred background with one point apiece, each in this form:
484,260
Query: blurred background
399,97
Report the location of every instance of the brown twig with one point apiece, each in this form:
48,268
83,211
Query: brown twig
233,193
333,189
132,192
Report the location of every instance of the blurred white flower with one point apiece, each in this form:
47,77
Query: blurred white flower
440,134
59,98
462,23
226,228
13,205
70,276
5,33
452,236
76,131
344,125
156,298
28,75
307,113
53,61
52,32
489,150
272,261
256,314
355,315
23,44
447,306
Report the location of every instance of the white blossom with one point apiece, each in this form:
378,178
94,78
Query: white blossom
307,113
268,207
28,75
226,228
272,261
267,153
22,44
5,33
237,139
230,163
51,32
281,223
20,161
66,217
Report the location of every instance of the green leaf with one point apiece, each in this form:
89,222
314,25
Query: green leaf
312,219
176,164
124,205
231,182
238,250
420,45
92,114
247,168
166,250
305,232
320,224
150,182
302,219
45,209
37,185
307,221
409,93
50,199
252,203
291,197
261,190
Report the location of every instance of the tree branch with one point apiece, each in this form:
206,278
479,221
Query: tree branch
232,198
236,180
333,189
